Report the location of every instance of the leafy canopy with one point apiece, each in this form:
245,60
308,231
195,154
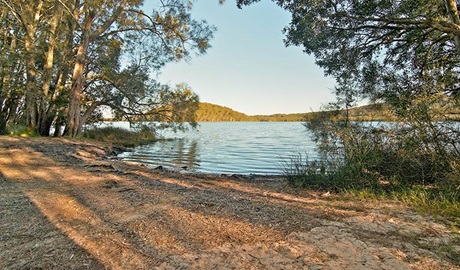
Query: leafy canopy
61,61
379,48
402,52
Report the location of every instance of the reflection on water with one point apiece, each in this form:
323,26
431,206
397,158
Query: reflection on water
176,153
234,147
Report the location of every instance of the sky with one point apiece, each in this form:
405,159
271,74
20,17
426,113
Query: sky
248,68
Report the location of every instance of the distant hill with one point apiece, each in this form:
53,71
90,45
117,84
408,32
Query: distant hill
281,117
208,112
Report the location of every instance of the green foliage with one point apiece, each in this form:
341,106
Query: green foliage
404,54
300,171
372,112
443,202
60,61
20,130
208,112
415,160
293,117
178,106
379,49
121,136
419,166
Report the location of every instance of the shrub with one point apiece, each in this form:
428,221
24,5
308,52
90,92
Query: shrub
302,172
20,130
121,136
415,161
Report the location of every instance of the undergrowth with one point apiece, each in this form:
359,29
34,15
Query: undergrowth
438,200
20,130
120,136
417,165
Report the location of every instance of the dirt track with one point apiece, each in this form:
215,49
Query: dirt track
64,205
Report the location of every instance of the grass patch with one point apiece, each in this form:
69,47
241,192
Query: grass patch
121,136
433,201
426,200
415,162
21,130
357,184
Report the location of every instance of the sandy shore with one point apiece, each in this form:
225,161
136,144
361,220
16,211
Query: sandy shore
65,205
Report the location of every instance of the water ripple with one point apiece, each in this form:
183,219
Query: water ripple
228,148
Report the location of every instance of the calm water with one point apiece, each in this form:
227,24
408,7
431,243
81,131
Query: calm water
229,148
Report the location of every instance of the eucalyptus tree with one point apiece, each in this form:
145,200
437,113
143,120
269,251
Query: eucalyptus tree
11,87
75,54
25,27
51,79
168,30
129,92
39,30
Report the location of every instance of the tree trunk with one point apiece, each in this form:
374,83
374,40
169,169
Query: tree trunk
452,10
44,103
45,126
31,24
73,124
31,102
57,130
89,111
5,85
4,116
74,118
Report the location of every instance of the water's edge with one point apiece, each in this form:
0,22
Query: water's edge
243,148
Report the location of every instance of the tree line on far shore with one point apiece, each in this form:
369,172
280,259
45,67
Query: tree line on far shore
208,112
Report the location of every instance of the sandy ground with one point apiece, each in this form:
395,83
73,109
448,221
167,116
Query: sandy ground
65,205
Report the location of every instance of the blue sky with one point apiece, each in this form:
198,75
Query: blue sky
248,67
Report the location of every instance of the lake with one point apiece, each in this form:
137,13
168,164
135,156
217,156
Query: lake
228,148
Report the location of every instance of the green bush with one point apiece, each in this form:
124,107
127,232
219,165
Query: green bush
416,162
20,130
121,136
302,172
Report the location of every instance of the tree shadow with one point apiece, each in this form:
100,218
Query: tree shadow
29,240
128,217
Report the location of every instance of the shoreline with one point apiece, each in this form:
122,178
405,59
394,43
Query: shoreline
66,204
